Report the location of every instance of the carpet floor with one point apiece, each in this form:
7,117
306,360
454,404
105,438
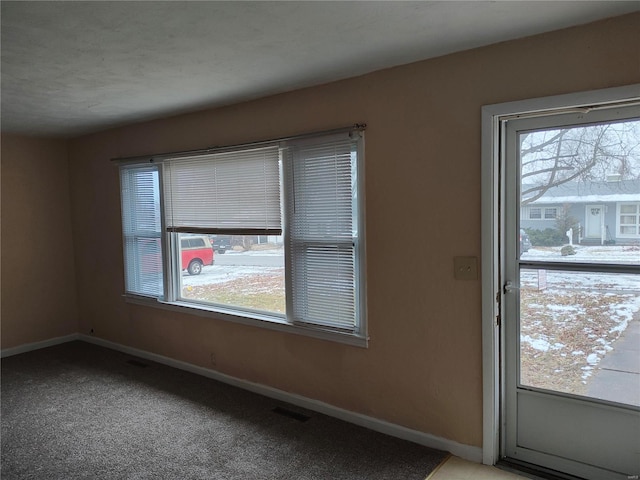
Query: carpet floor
78,410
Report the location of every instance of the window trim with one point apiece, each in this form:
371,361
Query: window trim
137,235
619,224
253,320
139,159
555,213
531,209
277,322
356,242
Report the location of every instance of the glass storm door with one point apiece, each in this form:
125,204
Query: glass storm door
571,300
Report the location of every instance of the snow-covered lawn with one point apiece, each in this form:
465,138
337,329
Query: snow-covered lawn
571,320
262,291
214,274
252,286
625,254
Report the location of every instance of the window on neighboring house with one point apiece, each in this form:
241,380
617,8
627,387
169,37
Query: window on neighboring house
535,213
550,213
539,213
629,219
291,212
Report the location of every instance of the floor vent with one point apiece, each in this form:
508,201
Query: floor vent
291,414
137,363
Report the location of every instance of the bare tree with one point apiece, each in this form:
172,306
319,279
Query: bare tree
550,158
244,241
564,220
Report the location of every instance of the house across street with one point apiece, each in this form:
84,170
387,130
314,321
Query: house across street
599,213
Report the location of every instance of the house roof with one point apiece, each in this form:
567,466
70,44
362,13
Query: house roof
589,192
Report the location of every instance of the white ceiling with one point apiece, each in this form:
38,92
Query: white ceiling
70,68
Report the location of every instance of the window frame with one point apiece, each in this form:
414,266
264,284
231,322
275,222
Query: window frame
173,301
619,223
138,234
543,213
551,209
537,209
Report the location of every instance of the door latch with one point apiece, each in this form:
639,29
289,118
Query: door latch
510,287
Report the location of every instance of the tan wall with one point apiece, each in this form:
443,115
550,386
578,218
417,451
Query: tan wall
423,366
38,274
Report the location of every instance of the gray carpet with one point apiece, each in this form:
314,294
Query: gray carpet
81,411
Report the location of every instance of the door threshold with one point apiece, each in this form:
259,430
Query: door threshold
534,472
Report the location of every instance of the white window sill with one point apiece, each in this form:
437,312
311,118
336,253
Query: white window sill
252,319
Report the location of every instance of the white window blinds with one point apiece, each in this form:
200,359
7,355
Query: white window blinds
141,225
323,237
234,192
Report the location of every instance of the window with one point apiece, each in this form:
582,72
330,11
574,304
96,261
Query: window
535,213
629,219
539,213
270,233
142,231
550,213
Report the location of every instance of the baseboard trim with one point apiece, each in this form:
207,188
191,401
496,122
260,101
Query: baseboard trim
29,347
467,452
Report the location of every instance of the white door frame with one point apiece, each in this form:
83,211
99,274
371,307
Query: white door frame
492,116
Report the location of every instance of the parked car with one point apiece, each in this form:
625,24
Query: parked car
525,242
196,252
221,243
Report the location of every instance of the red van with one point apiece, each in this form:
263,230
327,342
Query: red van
196,252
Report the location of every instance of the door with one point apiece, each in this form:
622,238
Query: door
571,313
594,221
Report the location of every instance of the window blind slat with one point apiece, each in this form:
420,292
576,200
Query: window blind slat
233,190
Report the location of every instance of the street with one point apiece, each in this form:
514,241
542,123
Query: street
268,258
232,265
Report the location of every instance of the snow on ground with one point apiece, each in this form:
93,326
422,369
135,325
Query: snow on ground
601,305
625,313
252,253
624,254
597,282
594,284
542,344
593,288
224,273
